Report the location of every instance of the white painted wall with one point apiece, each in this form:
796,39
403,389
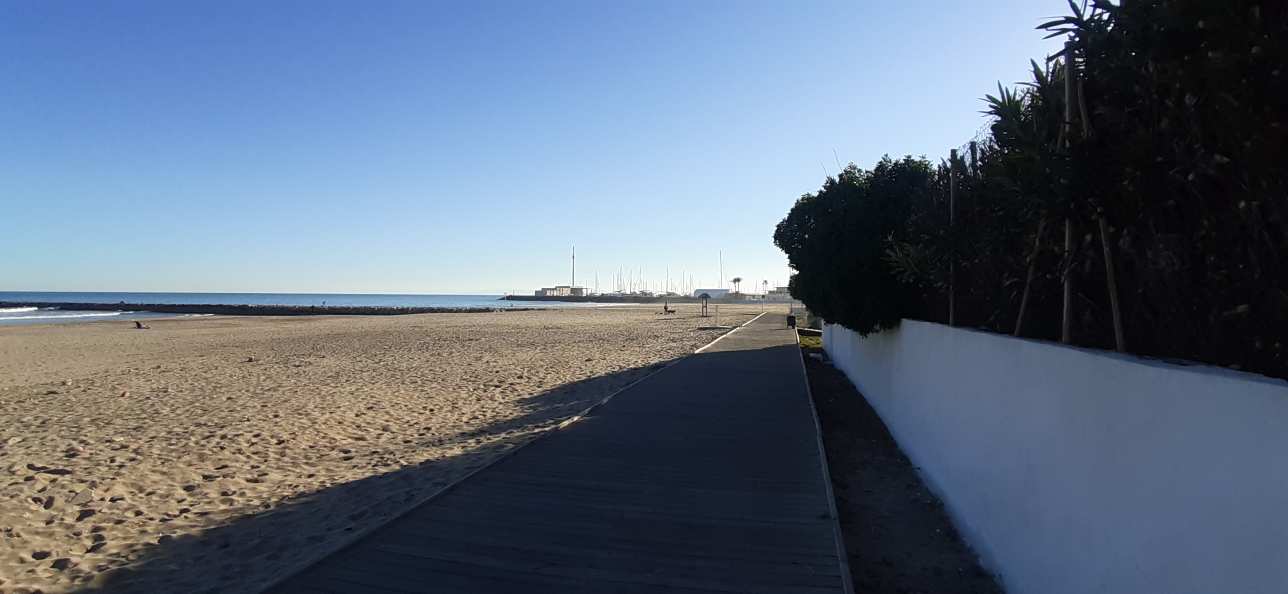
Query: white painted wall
1077,471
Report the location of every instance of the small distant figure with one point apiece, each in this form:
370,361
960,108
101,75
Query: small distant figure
791,321
141,326
666,308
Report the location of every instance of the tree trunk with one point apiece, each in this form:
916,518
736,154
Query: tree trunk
1111,280
1066,318
952,255
1028,279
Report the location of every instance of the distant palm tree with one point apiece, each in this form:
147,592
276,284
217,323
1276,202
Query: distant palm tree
737,280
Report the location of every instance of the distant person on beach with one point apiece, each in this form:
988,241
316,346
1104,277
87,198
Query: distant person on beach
140,325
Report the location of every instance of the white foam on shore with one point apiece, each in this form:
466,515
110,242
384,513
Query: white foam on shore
9,310
66,315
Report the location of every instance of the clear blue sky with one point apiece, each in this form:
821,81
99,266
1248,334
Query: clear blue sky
459,147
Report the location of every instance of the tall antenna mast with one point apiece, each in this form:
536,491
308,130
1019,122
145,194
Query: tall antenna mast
574,265
722,283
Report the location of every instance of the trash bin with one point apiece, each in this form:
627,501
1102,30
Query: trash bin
791,321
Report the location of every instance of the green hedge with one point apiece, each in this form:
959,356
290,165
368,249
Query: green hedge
1179,143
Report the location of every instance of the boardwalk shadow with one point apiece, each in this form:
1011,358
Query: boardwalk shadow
280,538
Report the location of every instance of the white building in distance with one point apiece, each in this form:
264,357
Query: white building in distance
779,295
561,291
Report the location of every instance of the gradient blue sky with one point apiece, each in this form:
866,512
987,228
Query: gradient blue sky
437,147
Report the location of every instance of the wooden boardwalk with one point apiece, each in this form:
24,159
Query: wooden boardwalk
705,477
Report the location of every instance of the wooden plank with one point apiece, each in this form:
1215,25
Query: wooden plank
697,528
730,505
418,560
378,577
596,535
623,549
545,561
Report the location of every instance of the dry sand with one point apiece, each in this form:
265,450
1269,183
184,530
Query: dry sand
215,454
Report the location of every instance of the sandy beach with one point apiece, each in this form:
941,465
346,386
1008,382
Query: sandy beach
217,454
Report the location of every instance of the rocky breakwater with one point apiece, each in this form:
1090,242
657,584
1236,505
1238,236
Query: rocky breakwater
253,310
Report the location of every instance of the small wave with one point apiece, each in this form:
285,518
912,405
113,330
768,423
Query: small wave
67,315
7,310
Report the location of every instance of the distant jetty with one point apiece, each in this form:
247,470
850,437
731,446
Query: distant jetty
256,310
618,299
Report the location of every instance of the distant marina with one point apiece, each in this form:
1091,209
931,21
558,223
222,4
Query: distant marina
631,286
575,294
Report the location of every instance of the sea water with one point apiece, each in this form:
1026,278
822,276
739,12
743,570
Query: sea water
44,315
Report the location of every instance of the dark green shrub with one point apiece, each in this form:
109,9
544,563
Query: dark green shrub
836,240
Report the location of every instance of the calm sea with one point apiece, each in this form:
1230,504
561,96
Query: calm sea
28,315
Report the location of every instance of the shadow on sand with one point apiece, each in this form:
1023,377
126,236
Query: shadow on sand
259,548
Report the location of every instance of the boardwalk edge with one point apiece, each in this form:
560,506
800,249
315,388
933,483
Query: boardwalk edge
847,580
